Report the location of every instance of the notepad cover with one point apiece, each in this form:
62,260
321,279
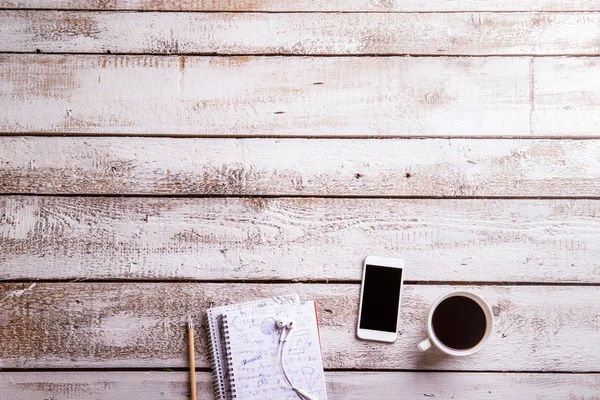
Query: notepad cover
252,338
217,349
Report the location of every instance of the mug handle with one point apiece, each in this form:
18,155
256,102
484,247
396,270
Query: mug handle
424,345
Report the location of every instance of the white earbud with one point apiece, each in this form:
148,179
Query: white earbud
281,322
286,326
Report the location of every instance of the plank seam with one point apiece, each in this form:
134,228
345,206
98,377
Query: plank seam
357,370
38,52
296,196
292,281
304,137
192,11
104,369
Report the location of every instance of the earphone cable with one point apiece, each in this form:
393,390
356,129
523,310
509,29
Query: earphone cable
288,326
280,350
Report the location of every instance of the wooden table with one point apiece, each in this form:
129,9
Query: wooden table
154,163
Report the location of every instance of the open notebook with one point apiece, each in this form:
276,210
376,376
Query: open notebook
217,340
252,339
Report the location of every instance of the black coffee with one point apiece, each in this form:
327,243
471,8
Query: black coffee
459,322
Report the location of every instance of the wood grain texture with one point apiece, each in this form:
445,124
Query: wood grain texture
301,33
340,385
539,328
298,96
576,87
275,96
103,385
48,238
308,5
300,167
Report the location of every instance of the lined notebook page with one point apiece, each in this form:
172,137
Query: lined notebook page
252,337
217,349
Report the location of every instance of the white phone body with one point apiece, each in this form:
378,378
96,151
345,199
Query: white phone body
378,310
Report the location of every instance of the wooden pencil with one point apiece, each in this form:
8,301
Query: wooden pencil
192,358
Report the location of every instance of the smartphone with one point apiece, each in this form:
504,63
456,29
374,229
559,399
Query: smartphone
379,310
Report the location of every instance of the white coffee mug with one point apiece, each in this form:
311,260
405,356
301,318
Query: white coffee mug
433,340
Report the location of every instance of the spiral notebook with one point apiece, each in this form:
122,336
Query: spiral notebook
251,344
217,348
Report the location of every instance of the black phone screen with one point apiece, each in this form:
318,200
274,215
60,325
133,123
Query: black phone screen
380,298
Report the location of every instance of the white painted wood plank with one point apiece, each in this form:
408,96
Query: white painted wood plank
567,96
277,96
307,167
122,385
340,385
301,33
309,5
69,325
48,238
463,386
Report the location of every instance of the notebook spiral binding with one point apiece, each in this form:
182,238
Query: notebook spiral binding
229,359
218,373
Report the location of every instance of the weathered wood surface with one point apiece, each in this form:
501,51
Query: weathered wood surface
104,385
309,5
539,328
289,96
301,33
344,385
574,83
300,167
286,96
48,238
141,325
